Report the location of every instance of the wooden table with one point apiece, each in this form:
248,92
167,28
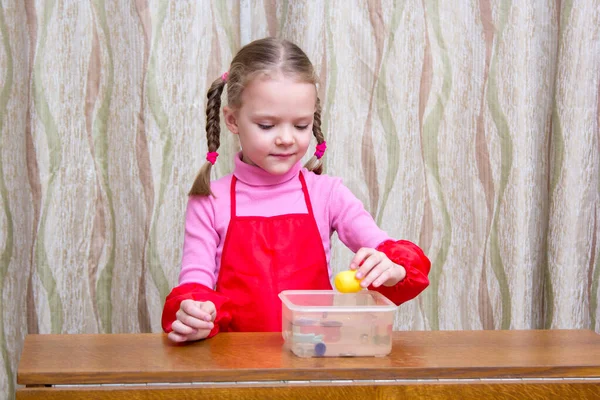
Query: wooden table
562,364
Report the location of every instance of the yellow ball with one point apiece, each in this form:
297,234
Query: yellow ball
346,282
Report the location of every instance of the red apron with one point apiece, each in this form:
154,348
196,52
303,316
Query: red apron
263,256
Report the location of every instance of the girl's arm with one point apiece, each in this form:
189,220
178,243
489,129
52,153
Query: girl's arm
356,228
198,266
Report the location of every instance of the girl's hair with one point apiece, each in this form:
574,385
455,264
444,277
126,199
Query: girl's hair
262,56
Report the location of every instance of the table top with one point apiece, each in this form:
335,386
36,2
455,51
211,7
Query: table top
137,358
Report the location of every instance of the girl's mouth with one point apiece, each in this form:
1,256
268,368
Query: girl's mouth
284,155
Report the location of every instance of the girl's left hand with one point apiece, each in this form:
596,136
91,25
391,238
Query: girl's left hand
374,267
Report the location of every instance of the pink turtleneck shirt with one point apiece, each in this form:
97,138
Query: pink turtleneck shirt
259,193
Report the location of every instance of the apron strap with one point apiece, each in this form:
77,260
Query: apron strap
306,196
232,196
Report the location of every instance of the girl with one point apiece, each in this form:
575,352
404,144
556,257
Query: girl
267,227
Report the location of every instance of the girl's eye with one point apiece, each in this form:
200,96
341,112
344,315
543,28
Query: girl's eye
265,127
301,127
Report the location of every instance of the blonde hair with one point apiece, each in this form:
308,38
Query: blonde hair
258,57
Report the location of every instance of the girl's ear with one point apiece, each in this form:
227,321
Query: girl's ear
231,119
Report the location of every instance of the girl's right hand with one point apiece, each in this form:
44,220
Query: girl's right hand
194,321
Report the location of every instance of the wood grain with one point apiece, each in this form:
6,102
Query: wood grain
476,391
138,358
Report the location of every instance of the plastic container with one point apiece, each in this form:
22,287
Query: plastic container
326,323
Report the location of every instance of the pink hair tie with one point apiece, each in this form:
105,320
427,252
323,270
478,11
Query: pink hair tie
211,157
224,76
321,147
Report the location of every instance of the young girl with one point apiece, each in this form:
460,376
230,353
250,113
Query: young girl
267,227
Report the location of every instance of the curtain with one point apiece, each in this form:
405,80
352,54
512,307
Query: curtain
469,127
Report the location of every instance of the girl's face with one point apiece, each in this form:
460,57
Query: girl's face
274,122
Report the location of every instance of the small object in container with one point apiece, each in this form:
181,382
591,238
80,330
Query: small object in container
320,349
305,325
331,324
304,322
307,338
364,338
346,282
332,330
299,350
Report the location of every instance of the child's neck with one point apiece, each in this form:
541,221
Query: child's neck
256,176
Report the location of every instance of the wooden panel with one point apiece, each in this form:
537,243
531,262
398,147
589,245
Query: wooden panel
128,358
475,391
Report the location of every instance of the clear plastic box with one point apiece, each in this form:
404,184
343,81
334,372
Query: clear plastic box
326,323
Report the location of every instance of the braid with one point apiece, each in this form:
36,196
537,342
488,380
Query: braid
201,184
317,123
213,110
315,164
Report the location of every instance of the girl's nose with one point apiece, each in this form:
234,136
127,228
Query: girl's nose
285,137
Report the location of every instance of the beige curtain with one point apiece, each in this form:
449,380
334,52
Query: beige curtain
470,127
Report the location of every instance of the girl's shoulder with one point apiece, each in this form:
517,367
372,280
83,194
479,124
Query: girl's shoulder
221,185
321,184
329,189
220,189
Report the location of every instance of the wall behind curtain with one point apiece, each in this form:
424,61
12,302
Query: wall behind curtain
470,128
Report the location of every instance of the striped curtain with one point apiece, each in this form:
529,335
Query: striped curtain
470,127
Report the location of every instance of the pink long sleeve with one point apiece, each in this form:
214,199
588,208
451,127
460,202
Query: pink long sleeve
201,243
354,225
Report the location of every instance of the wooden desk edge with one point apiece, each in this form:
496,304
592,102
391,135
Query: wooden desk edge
434,390
309,374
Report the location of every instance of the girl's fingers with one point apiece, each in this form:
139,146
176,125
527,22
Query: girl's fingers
184,333
381,279
176,337
372,260
193,322
201,334
197,324
195,309
379,269
181,328
210,308
360,256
